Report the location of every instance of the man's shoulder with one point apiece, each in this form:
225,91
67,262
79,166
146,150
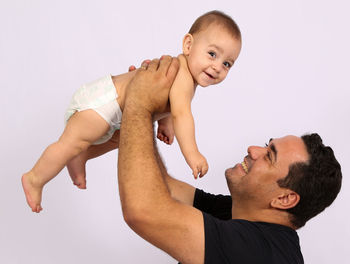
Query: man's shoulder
219,205
245,241
244,226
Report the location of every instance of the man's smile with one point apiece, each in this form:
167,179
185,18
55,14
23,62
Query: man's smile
245,166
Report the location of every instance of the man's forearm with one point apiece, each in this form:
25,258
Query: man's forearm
161,165
141,185
180,191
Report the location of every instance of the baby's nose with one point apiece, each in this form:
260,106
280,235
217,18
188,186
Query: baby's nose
216,67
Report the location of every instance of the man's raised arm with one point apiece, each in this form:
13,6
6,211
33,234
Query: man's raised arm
147,205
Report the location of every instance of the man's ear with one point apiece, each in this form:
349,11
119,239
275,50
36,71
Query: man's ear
187,44
286,200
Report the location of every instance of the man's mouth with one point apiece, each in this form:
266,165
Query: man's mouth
245,166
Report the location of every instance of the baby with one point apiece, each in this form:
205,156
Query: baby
93,119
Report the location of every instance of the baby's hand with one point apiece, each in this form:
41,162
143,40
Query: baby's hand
198,164
165,133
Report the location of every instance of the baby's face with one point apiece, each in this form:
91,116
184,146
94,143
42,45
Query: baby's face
211,55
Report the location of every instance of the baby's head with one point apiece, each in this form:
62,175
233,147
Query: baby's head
211,47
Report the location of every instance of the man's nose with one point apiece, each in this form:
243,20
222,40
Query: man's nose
256,152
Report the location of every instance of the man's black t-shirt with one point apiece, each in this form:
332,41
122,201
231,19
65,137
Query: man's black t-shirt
230,240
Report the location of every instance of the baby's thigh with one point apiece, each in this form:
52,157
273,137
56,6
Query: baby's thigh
87,126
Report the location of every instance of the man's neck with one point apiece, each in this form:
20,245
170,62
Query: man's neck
271,215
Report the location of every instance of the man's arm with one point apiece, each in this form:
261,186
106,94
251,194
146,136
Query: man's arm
180,191
147,206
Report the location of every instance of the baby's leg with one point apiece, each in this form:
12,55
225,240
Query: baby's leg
76,169
76,166
82,129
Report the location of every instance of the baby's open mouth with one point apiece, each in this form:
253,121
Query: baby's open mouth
211,76
245,167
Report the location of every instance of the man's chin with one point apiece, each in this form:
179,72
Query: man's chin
231,172
227,172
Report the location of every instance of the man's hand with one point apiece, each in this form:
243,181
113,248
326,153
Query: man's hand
149,89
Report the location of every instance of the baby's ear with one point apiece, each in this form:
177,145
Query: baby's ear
187,44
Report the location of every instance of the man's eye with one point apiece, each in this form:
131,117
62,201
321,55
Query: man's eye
212,54
268,156
227,64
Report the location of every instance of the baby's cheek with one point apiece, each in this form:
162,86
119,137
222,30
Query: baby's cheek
224,76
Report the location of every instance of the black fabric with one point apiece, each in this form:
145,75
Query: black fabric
242,241
217,205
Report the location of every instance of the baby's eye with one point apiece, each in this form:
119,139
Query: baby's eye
212,54
227,64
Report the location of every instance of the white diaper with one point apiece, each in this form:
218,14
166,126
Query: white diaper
99,96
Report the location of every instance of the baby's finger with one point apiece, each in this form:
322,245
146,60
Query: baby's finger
195,173
200,173
204,171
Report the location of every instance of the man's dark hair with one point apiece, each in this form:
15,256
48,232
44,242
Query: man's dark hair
317,181
219,18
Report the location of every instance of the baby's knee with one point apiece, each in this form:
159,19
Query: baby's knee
75,145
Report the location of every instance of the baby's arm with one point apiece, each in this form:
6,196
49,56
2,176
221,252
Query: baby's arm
165,131
95,151
181,95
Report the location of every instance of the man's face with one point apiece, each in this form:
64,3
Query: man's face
255,179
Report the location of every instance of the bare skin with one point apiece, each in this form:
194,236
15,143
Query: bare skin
76,166
208,67
146,200
82,129
159,208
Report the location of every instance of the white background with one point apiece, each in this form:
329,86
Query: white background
292,77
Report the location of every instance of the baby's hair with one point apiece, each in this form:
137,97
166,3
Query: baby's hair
219,18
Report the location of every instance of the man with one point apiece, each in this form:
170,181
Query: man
275,189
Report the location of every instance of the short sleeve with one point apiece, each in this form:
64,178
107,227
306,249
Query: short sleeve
219,206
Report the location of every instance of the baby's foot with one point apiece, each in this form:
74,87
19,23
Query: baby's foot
32,192
76,169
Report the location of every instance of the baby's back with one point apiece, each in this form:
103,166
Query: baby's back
120,82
